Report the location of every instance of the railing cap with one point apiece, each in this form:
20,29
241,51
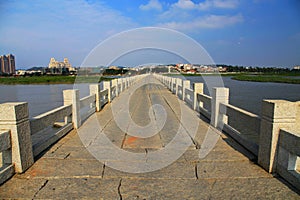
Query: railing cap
278,108
14,111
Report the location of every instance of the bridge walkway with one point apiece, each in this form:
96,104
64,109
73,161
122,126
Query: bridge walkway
69,168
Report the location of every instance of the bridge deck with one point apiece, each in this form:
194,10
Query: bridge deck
68,170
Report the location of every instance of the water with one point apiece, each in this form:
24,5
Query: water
246,95
249,95
40,98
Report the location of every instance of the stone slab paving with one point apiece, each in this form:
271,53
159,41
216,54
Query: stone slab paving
68,171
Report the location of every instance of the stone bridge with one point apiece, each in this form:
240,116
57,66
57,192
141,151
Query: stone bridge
136,140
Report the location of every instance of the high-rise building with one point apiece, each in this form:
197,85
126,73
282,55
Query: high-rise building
7,64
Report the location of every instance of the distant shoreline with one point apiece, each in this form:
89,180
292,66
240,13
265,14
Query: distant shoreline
38,80
291,78
268,78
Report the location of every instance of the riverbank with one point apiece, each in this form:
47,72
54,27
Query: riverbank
51,80
292,78
269,78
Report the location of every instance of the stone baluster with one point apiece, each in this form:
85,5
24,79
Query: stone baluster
276,114
14,117
198,89
71,97
219,95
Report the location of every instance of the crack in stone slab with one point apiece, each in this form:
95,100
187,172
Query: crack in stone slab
67,155
42,186
196,171
119,189
102,174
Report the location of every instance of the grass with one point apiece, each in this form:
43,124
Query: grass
51,80
255,77
205,74
268,78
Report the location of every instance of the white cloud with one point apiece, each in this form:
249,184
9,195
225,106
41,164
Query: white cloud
56,29
207,4
152,5
207,22
230,4
185,4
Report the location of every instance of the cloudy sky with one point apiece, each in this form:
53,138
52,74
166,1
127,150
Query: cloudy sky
238,32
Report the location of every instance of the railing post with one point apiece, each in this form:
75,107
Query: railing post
185,84
125,83
172,85
219,95
113,84
95,89
107,85
117,86
71,97
198,89
276,114
178,82
120,81
14,117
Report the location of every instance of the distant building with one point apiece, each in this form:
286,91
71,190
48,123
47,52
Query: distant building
7,64
56,64
297,67
114,67
56,67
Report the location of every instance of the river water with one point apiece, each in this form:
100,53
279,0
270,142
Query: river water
249,95
246,95
40,98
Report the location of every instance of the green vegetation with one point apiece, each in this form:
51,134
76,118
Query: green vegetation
285,77
206,74
51,79
269,78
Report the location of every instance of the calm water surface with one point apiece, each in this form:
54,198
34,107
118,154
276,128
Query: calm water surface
249,95
246,95
40,98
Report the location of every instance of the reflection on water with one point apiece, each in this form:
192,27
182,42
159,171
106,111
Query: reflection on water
246,95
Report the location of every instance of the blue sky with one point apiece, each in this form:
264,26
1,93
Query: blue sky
238,32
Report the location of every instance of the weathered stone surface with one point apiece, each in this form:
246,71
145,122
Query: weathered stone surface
69,171
165,189
132,142
64,168
20,188
229,169
79,188
251,188
69,152
177,170
193,156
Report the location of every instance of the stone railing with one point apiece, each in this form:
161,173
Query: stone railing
48,127
7,168
22,139
273,137
288,162
16,139
241,125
